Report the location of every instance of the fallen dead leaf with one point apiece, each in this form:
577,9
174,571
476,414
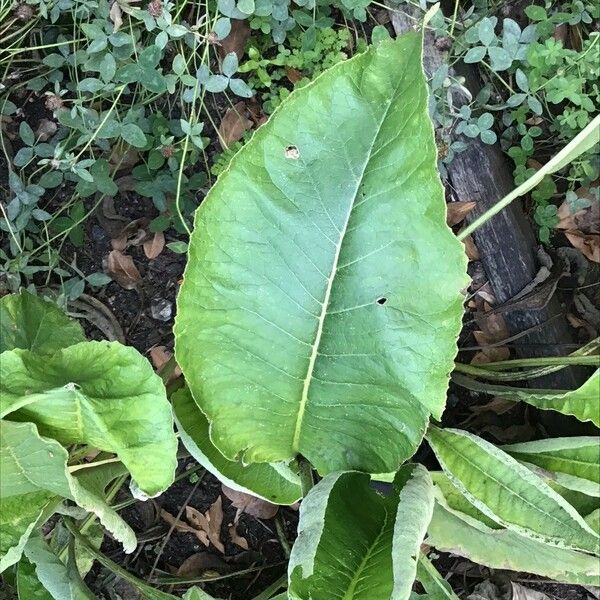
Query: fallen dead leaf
203,564
237,539
154,245
586,220
457,211
132,234
45,129
261,509
180,525
486,590
588,245
116,15
235,122
160,356
470,248
492,329
293,75
236,40
209,522
123,160
520,592
496,405
123,270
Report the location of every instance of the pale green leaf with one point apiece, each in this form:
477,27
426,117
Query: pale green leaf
582,403
196,593
506,549
455,500
53,574
375,556
28,585
99,393
593,520
31,323
277,484
315,317
573,461
133,135
19,515
508,492
435,585
31,463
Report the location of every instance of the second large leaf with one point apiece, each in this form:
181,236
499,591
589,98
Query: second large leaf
321,301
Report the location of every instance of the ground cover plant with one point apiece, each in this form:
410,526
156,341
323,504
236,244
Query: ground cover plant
319,313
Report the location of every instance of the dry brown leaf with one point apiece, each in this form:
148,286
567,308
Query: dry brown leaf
235,122
154,245
210,522
160,356
496,405
588,245
45,129
470,248
293,75
203,564
236,40
492,324
261,509
237,539
123,160
132,234
123,270
179,525
457,211
493,329
116,15
488,355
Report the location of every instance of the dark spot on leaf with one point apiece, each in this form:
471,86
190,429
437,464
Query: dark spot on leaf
381,301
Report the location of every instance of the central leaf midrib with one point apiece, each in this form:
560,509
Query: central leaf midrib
349,595
315,346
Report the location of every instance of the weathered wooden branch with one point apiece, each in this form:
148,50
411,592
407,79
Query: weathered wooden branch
506,244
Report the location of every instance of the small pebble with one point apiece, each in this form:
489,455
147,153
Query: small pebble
161,310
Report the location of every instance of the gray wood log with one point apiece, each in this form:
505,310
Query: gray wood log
506,244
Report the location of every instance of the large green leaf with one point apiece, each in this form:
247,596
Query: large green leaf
354,543
582,403
276,483
506,549
99,393
30,463
321,300
31,323
508,492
